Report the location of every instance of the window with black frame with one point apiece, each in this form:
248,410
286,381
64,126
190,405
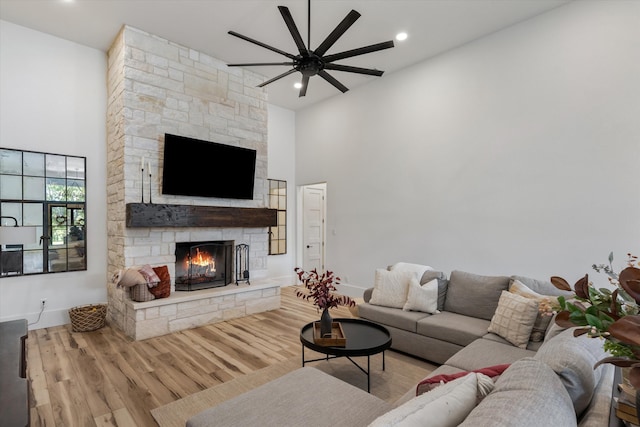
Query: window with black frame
47,193
278,201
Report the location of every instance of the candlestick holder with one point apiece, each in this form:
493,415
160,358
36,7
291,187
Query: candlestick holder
150,186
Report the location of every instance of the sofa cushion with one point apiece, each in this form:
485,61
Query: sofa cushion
390,288
531,345
405,320
543,319
481,353
443,283
422,298
445,406
514,318
294,400
572,359
452,327
474,295
528,394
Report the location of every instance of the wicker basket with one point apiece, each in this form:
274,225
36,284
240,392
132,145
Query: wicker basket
89,317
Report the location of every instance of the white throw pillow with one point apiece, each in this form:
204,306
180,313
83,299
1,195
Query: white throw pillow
445,406
418,269
422,298
390,288
514,318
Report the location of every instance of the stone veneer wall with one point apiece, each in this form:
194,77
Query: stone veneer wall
157,87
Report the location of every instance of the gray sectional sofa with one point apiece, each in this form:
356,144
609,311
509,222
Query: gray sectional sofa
550,382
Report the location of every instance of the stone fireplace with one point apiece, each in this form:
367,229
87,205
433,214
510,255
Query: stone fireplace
155,87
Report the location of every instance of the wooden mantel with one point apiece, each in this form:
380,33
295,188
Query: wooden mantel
160,215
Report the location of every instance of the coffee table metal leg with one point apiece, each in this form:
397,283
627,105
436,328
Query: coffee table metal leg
383,352
303,355
368,374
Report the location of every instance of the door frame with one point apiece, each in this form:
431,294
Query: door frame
300,222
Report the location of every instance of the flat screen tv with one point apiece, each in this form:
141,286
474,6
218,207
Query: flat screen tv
193,167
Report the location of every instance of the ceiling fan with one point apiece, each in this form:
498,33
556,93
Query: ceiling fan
314,62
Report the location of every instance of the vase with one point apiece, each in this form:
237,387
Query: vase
325,323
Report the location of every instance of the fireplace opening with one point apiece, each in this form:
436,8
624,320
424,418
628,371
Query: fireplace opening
202,265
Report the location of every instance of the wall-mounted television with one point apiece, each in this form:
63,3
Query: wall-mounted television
194,167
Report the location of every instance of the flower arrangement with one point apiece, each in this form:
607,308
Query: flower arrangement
321,289
611,315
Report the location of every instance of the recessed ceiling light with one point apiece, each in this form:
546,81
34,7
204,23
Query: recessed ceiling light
401,36
297,85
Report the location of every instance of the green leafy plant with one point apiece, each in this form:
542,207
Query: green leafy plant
321,289
608,314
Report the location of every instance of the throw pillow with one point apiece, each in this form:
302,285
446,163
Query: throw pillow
422,298
542,320
131,277
430,383
163,289
474,295
443,283
572,359
390,288
150,275
446,406
140,293
514,318
418,269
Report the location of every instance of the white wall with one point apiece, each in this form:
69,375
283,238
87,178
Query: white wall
53,99
515,154
281,155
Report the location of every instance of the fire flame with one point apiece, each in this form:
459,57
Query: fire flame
200,264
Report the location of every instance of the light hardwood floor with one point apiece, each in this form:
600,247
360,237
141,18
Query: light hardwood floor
103,378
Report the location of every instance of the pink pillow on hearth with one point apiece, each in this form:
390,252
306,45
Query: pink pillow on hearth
150,275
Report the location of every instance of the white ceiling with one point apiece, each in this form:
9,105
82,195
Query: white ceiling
434,26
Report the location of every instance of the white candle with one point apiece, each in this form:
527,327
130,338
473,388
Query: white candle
149,168
142,163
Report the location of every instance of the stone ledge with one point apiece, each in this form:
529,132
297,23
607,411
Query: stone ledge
185,310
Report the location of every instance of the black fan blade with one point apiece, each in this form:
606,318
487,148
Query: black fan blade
257,64
328,77
266,46
293,70
288,19
303,89
337,32
350,69
360,51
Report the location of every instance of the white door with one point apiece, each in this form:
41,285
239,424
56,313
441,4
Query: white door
313,212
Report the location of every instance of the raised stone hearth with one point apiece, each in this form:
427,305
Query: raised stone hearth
185,310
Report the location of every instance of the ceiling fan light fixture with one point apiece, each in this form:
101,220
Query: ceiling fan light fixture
314,62
297,85
401,36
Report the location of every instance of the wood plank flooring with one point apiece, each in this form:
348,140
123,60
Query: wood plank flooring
103,378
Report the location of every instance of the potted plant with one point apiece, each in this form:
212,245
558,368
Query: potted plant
321,288
611,315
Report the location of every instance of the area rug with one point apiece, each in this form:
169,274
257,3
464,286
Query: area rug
401,374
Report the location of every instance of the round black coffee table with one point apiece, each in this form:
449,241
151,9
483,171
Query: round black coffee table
364,338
